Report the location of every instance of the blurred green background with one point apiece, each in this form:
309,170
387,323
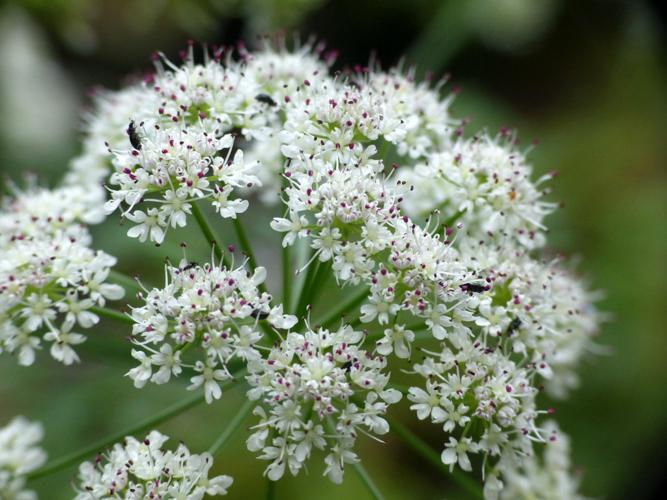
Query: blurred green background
586,78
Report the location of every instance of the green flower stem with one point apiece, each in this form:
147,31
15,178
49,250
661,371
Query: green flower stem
233,426
359,469
247,248
287,278
124,280
268,330
313,288
112,314
343,308
209,235
302,300
148,423
368,481
355,322
431,456
270,489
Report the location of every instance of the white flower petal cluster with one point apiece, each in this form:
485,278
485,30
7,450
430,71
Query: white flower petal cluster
105,127
545,315
487,182
526,328
449,244
550,477
341,202
202,319
144,470
317,390
418,107
170,140
278,75
50,278
19,455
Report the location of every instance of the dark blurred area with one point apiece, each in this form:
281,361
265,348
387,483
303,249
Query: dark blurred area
588,79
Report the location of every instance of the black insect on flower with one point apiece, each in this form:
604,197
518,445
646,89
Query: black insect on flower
513,326
189,265
133,134
266,99
473,287
257,314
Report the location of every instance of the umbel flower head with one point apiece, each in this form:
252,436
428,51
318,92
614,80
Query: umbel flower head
19,455
50,278
317,390
549,477
487,180
445,242
208,314
145,469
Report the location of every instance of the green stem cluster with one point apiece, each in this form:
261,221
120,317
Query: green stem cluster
232,427
338,312
112,314
123,280
316,277
210,236
431,456
247,248
100,445
367,481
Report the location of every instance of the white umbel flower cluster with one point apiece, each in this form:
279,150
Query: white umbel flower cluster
168,138
145,470
341,202
50,278
19,455
550,477
449,245
318,390
202,319
171,139
487,182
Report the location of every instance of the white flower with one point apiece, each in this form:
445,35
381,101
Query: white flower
227,208
50,278
326,243
61,349
439,321
312,382
149,223
175,209
453,415
142,373
486,180
548,476
280,320
202,318
209,378
148,468
469,275
396,340
19,455
427,403
294,227
457,452
169,363
378,308
336,460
